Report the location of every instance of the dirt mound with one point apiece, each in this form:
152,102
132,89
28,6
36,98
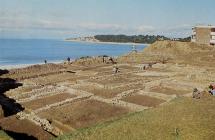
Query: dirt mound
176,48
173,51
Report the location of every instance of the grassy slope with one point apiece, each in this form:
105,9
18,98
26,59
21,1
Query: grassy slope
4,136
193,119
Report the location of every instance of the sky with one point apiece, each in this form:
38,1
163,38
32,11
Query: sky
59,19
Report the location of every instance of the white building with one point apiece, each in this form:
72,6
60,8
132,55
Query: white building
204,35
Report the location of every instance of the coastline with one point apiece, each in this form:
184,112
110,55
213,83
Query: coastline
112,43
24,65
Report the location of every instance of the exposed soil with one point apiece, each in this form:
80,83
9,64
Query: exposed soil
23,129
83,114
143,100
103,92
168,91
35,104
55,78
108,92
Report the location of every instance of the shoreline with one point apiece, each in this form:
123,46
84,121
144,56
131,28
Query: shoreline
24,65
112,43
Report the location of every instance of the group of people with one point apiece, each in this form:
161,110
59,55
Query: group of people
212,89
115,69
111,60
145,66
198,94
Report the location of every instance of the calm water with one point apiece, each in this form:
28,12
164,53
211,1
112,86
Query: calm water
20,51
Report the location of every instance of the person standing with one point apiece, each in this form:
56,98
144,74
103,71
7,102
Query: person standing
68,60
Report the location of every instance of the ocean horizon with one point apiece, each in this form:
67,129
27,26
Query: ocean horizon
23,52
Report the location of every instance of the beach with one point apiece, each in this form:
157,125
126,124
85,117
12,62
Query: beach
112,43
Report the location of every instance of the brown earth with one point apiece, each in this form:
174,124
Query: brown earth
83,114
108,92
169,91
23,129
143,100
35,104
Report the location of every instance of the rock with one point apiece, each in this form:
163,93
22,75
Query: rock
196,93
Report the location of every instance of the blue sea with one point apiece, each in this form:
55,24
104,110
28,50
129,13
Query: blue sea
35,51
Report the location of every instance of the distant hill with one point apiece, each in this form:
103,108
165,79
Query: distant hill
144,39
83,39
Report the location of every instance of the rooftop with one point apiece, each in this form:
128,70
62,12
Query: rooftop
204,26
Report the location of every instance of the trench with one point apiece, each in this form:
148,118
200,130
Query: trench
18,136
9,106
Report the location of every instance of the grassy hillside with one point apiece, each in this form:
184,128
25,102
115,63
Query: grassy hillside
182,119
4,136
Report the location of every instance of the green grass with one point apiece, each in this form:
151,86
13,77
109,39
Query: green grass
4,136
182,119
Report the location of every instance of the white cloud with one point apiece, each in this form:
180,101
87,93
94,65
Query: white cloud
180,27
116,28
24,23
63,28
144,29
95,26
183,30
98,28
